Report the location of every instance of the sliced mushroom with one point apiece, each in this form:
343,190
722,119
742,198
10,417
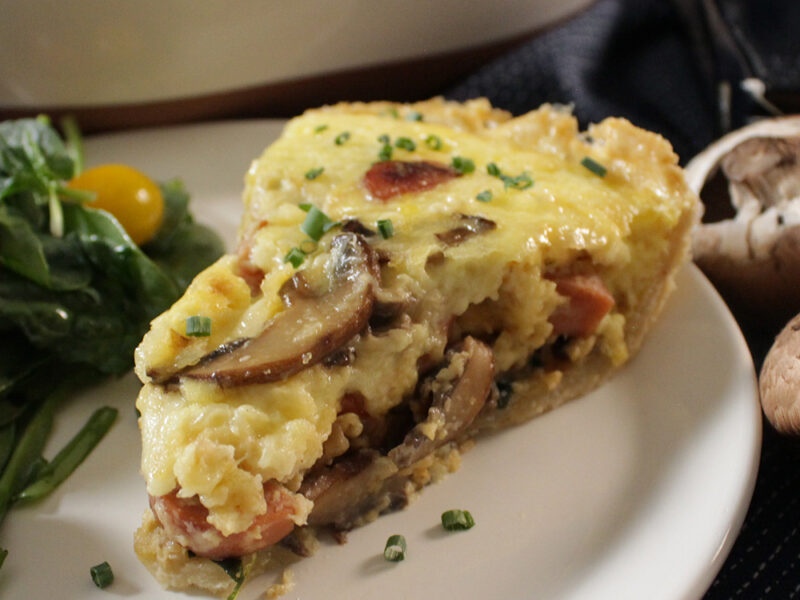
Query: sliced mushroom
459,392
365,481
294,289
301,542
749,242
470,225
346,491
308,330
386,313
356,226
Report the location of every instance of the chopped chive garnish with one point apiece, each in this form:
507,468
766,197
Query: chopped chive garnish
520,182
384,138
484,196
434,142
341,138
395,549
305,206
594,166
393,113
385,153
295,256
463,165
405,143
316,223
102,575
414,116
3,554
197,326
457,520
320,128
385,228
314,173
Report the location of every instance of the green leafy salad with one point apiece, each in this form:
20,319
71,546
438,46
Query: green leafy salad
76,292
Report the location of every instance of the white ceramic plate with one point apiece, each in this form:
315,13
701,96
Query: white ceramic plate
635,491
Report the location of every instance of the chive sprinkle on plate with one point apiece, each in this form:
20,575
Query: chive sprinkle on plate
395,549
102,575
457,520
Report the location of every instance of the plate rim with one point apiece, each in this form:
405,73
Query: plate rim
705,574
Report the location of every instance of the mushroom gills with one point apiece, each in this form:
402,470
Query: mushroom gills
749,241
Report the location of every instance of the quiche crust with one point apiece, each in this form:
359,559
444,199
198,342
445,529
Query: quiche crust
526,263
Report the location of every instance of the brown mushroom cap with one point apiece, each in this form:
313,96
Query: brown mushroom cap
779,382
749,242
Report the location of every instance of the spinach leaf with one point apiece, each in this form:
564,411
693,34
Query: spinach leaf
76,294
176,213
31,146
20,358
68,266
111,250
101,322
20,248
182,248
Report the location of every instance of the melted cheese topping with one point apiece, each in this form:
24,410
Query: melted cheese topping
222,444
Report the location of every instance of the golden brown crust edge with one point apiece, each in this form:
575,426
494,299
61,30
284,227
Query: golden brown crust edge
591,371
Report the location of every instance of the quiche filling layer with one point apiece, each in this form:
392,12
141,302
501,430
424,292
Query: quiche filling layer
405,276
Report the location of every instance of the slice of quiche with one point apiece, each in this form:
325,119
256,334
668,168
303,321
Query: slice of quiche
406,276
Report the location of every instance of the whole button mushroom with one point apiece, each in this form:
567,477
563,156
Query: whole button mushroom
779,382
749,242
748,245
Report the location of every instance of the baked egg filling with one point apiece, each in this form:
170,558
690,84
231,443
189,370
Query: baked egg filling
400,283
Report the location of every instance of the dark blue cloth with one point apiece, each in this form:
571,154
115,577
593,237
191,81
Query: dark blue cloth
675,68
661,64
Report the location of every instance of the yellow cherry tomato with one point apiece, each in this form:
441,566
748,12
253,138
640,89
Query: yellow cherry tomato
131,196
